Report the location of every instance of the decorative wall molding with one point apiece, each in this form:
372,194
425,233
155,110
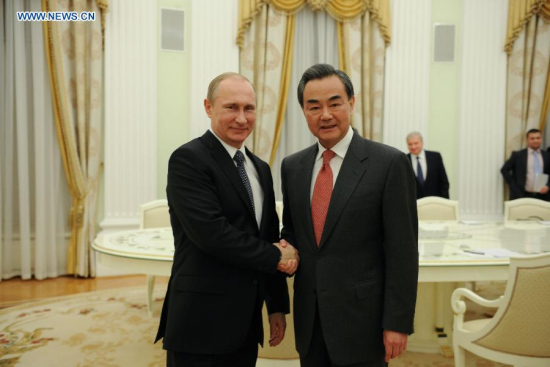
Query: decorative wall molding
130,143
406,93
482,109
213,51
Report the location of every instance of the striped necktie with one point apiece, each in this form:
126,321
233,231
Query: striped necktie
239,158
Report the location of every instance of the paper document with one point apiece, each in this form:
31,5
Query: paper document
471,222
500,253
495,253
541,180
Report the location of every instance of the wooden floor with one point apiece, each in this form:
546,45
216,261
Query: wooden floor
16,291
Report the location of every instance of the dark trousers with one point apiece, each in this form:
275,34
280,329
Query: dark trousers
245,356
317,355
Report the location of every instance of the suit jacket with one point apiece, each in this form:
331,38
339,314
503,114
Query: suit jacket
364,273
224,265
435,182
514,172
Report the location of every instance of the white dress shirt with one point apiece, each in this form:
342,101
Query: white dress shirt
253,177
341,148
423,164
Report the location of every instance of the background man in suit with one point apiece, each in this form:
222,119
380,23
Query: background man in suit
431,177
350,209
222,210
523,166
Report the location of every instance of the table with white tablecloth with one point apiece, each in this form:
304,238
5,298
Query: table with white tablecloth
449,253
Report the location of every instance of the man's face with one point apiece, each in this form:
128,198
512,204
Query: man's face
534,140
327,109
415,144
233,111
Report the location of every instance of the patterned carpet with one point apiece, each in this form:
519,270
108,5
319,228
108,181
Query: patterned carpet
111,329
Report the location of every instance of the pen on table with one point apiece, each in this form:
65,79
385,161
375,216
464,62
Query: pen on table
474,252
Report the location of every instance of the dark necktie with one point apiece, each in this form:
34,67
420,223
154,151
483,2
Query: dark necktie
419,173
322,191
239,158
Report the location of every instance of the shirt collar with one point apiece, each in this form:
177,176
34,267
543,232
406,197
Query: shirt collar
341,148
422,155
230,149
530,151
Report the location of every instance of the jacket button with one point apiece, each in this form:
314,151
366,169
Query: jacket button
255,282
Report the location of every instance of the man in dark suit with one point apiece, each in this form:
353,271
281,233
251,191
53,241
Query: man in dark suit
350,209
520,171
226,233
431,177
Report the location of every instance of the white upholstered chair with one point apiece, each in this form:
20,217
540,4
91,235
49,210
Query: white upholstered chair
519,333
526,209
437,208
153,214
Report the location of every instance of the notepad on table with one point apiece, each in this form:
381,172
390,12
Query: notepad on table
541,180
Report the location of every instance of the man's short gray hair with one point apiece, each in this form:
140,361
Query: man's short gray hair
213,87
413,134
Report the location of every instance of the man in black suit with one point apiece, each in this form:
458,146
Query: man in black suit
522,168
226,233
350,209
431,177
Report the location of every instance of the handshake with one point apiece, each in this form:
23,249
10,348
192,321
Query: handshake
289,257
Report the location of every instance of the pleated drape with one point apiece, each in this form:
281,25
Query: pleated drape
75,60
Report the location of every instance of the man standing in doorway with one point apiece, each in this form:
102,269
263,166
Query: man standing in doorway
522,169
431,177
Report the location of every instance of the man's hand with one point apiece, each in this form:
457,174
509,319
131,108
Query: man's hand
544,190
395,344
289,259
277,327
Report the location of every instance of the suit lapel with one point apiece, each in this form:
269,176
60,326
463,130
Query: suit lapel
264,182
429,163
350,174
303,177
225,162
545,163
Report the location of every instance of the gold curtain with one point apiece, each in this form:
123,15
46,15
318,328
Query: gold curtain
75,54
341,10
363,51
520,13
527,82
266,60
265,37
545,15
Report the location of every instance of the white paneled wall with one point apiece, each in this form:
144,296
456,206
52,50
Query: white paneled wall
130,111
482,109
213,51
131,47
131,98
406,99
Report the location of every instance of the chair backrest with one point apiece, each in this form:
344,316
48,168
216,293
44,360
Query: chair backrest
526,209
521,325
154,214
437,208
